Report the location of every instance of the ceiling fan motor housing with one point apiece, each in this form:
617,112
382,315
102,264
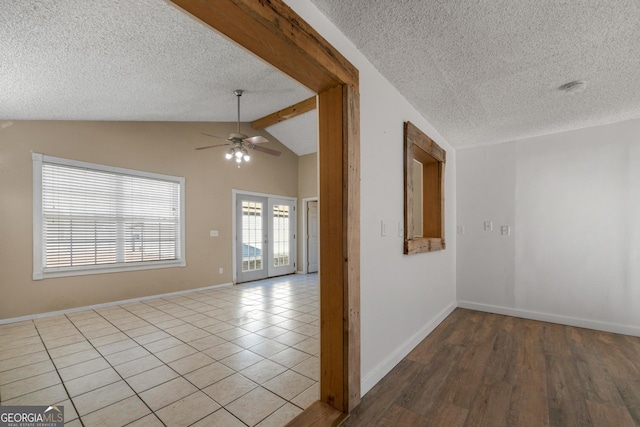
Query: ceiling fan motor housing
238,136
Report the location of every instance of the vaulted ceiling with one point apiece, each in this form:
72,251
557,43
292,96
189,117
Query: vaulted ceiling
142,60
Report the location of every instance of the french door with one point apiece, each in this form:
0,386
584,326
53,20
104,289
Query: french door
265,237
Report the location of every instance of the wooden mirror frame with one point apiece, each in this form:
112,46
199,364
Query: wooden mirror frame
418,146
275,33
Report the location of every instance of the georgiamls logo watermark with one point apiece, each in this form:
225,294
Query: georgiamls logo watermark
32,416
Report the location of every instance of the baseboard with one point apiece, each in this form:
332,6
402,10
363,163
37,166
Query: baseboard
553,318
108,304
371,379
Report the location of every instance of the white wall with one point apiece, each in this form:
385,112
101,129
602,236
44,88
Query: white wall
573,201
402,297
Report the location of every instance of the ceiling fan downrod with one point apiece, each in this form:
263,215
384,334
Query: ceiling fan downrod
238,94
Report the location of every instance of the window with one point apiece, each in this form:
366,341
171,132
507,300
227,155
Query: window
90,218
424,162
281,235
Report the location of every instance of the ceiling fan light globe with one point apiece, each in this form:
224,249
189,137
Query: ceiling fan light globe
228,156
246,157
238,159
238,154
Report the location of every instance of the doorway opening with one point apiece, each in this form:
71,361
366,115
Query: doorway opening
278,35
310,235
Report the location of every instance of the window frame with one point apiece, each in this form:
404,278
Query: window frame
41,272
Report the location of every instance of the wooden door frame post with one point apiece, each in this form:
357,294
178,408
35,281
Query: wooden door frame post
275,33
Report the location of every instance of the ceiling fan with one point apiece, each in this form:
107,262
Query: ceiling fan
240,143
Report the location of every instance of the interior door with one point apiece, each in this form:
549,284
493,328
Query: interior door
251,238
312,237
282,236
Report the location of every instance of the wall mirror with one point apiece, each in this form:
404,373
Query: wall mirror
424,162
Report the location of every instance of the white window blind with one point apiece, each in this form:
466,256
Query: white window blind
92,218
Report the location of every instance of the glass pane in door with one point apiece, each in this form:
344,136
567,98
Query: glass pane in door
251,236
281,235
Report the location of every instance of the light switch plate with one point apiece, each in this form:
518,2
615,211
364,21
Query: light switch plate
505,230
488,225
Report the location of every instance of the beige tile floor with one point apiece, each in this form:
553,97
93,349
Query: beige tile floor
233,356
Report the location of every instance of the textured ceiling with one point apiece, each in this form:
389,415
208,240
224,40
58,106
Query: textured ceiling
486,72
130,60
481,71
298,132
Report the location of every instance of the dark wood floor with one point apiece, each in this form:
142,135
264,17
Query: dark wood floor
480,369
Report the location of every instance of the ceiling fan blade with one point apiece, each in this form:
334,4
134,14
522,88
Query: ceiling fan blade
256,140
212,146
265,150
213,136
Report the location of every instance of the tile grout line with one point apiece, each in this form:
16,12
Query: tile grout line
218,361
115,370
256,302
58,373
95,348
228,341
188,296
164,363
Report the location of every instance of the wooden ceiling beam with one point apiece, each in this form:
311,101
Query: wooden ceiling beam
285,114
275,33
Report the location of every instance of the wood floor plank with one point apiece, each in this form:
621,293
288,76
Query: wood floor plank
468,374
501,366
423,393
603,414
422,354
397,416
597,385
566,406
462,336
629,389
426,350
448,415
620,358
490,408
382,396
528,406
555,340
530,350
487,328
629,344
480,369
